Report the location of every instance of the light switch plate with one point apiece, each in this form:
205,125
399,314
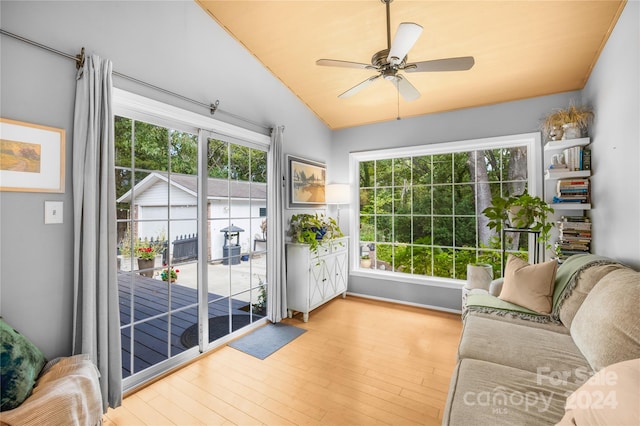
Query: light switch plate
52,212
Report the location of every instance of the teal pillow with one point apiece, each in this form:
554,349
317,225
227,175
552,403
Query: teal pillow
21,363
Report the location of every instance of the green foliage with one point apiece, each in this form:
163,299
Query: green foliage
236,162
260,307
313,229
419,213
148,147
532,213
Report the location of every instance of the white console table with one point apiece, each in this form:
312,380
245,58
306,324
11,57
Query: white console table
315,278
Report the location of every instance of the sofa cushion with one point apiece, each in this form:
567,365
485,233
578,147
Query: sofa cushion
552,355
584,282
606,327
484,393
611,397
21,365
528,285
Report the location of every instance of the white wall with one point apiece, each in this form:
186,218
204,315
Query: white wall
614,91
174,45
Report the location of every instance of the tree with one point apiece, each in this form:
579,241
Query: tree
478,170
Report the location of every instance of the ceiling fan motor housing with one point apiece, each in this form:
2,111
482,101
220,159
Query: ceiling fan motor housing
388,71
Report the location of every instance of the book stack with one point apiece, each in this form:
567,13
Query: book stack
574,236
573,158
572,191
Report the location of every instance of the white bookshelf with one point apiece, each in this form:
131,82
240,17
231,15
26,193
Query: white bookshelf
551,177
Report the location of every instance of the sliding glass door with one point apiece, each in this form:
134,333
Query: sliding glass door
236,228
191,241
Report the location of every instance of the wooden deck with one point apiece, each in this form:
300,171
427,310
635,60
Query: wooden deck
152,341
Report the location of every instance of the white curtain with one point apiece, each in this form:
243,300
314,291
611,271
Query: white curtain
96,323
276,272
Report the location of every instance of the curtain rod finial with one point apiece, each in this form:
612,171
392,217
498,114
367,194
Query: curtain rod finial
80,59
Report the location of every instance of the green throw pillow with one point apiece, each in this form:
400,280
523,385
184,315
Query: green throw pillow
21,363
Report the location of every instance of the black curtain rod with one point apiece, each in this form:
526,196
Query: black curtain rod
79,60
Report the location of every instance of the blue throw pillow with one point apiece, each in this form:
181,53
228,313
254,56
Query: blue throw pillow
21,363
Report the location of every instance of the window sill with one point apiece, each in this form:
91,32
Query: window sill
408,278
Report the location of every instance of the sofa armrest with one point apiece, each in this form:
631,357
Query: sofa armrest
68,393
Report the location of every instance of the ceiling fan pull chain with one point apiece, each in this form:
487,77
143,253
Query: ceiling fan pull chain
398,97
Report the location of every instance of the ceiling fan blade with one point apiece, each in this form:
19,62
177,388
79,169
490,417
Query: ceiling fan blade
450,64
358,87
406,89
343,64
405,38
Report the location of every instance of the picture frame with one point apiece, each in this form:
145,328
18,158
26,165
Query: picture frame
307,179
32,157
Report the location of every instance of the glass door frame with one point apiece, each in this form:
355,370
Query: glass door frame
140,108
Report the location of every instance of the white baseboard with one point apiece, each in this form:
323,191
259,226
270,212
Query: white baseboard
403,302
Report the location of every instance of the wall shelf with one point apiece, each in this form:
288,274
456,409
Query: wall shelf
567,175
566,143
571,206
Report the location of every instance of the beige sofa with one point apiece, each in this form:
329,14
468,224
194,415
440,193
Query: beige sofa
518,367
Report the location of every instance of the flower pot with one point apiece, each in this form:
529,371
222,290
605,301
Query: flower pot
124,263
571,131
479,275
365,263
516,222
319,232
146,264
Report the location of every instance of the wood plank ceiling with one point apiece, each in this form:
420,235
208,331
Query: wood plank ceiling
522,49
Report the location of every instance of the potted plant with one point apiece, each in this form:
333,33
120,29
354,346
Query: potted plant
569,123
169,274
365,261
146,255
521,211
313,229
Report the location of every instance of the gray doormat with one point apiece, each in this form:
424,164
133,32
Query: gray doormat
266,340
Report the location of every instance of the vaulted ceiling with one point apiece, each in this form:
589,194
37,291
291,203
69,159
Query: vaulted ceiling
522,49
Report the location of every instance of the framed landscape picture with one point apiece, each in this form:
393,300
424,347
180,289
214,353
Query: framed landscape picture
306,182
31,157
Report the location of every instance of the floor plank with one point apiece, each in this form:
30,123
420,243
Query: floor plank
361,362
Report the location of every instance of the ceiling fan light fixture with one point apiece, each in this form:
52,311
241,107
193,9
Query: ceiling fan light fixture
406,36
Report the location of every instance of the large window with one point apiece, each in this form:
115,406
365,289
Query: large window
420,208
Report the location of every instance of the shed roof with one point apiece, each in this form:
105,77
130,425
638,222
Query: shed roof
217,188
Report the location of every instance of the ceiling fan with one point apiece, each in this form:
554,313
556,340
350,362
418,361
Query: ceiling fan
394,58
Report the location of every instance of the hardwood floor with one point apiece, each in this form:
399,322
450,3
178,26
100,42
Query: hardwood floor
361,362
